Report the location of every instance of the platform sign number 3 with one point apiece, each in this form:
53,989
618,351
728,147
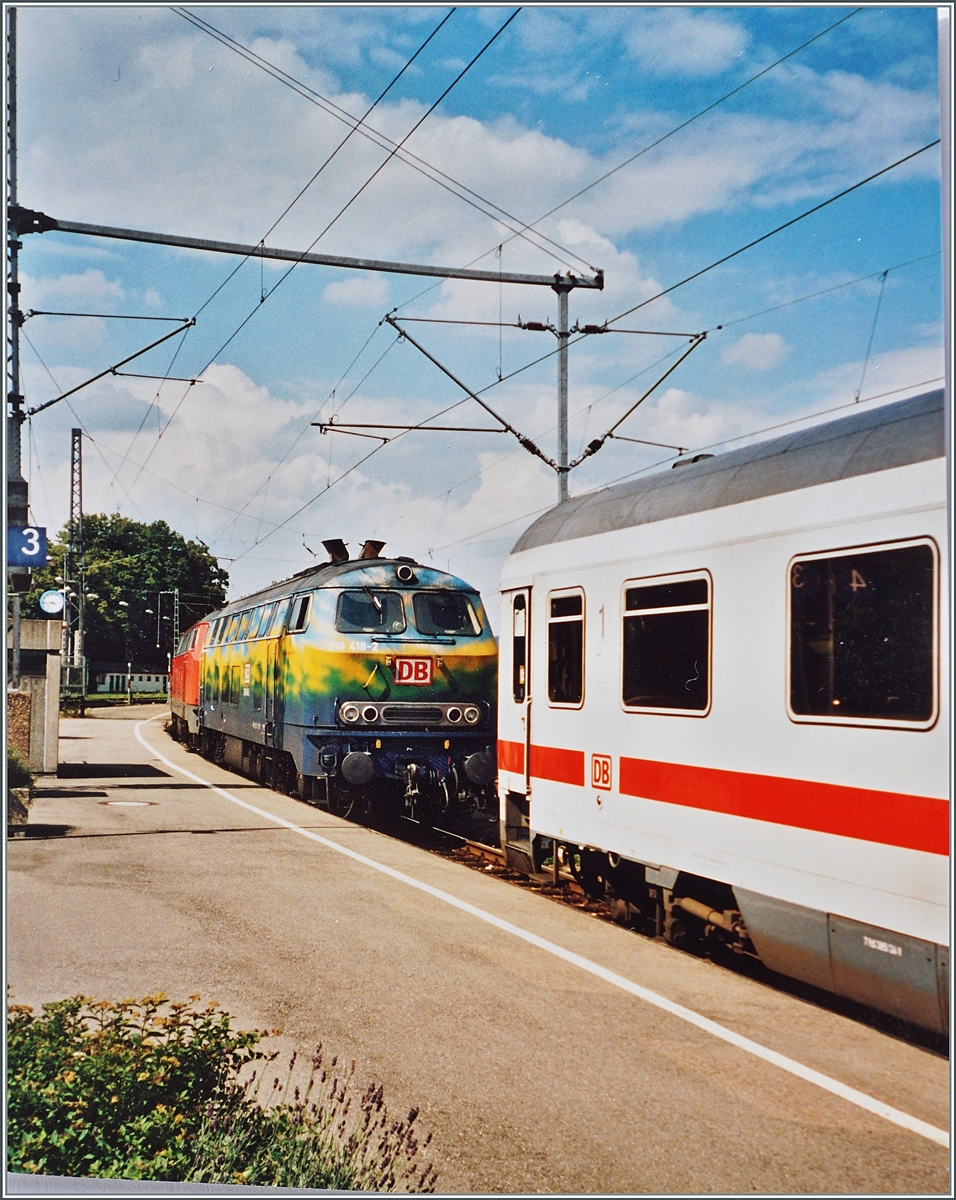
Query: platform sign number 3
601,772
26,546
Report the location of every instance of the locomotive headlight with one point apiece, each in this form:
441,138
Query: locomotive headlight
472,714
370,713
349,712
453,715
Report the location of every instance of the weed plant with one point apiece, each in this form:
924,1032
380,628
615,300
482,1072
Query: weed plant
19,774
152,1090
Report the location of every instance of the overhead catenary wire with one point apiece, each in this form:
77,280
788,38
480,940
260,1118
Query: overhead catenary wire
285,275
816,208
734,91
263,294
869,344
720,261
198,21
677,128
564,254
691,120
630,379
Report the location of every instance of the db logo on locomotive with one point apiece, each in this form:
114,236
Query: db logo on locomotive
416,671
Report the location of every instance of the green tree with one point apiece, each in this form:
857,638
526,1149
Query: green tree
128,565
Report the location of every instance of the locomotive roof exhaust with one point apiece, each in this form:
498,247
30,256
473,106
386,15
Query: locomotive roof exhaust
372,549
337,550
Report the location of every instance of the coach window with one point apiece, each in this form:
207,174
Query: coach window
667,645
863,636
300,614
519,648
566,648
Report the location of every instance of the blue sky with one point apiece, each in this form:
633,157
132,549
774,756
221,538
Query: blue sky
134,117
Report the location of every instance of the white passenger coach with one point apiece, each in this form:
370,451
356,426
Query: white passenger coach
724,700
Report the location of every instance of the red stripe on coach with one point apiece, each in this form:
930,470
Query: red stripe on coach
913,822
511,757
562,766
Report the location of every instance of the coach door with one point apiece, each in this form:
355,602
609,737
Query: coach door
514,716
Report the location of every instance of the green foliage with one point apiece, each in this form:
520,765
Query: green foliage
127,560
151,1090
19,774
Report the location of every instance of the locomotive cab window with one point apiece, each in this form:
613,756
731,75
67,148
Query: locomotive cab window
667,645
566,648
448,613
370,611
863,636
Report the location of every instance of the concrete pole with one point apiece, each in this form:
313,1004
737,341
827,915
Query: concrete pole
562,392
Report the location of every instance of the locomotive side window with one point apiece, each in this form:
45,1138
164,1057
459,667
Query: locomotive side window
282,611
863,635
566,648
300,614
265,621
370,611
519,656
243,632
446,613
230,634
667,645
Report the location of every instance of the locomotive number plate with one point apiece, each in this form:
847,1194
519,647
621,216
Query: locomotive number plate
415,671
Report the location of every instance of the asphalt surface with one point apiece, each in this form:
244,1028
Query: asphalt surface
533,1074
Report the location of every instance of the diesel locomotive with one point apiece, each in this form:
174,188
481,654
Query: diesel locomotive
352,680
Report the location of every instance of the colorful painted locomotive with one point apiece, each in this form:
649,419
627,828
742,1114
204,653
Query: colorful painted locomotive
354,679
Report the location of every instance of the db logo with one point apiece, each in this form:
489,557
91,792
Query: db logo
601,771
416,671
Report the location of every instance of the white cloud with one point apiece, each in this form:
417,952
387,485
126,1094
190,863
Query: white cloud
756,351
360,291
90,285
681,41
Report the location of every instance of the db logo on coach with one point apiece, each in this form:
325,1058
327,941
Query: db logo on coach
601,771
416,671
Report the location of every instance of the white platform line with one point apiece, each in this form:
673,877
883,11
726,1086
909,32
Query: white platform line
844,1091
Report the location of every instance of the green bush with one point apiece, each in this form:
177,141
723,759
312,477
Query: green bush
150,1090
18,773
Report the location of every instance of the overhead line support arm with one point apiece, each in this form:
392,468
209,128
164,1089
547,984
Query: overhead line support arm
28,221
